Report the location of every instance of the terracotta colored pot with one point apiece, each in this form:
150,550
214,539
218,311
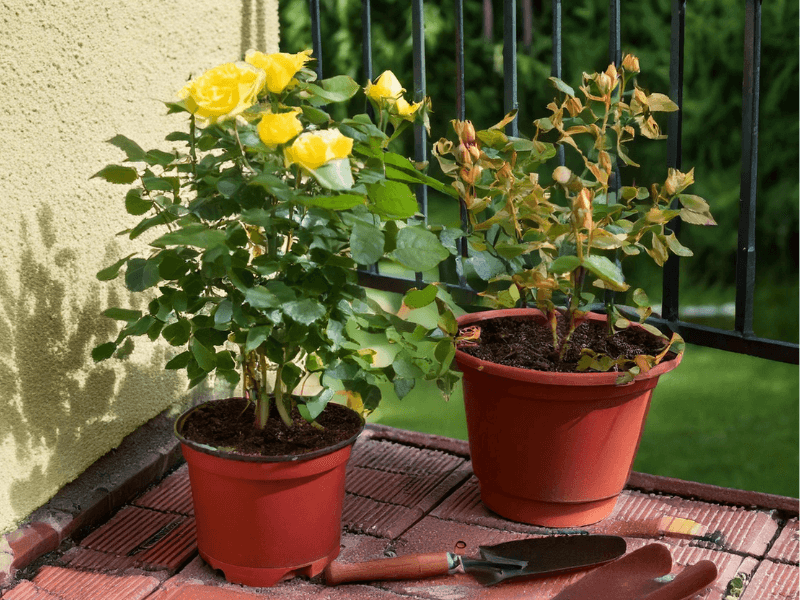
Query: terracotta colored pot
551,449
264,519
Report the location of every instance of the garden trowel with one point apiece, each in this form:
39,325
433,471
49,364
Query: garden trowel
519,558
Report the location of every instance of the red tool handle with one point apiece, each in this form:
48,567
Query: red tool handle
413,566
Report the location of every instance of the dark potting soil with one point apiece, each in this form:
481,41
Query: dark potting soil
528,344
230,424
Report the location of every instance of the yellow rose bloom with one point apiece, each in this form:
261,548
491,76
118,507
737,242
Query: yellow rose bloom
406,110
386,87
274,129
223,92
280,67
313,149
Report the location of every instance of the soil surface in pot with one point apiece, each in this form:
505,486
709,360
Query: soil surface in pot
528,344
229,424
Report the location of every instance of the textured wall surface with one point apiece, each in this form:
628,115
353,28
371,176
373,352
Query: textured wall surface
73,74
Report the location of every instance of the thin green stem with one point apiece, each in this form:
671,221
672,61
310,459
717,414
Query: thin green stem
281,395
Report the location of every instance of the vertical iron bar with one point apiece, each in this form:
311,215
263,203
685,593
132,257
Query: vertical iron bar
316,34
420,137
614,56
461,115
746,249
670,292
366,47
555,68
461,107
510,63
527,25
614,28
366,62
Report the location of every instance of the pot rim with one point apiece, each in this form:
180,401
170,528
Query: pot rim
530,375
257,458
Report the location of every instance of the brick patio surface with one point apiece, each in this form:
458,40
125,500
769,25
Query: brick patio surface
411,493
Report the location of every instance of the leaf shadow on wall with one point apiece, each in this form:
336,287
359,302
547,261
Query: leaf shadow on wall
62,411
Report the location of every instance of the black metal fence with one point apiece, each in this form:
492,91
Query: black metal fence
742,338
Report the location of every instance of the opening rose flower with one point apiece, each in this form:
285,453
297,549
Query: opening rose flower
406,110
223,92
274,129
279,67
313,149
386,88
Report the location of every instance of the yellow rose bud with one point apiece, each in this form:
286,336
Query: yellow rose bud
313,149
630,63
279,67
582,209
224,92
462,155
406,110
386,87
467,133
274,129
604,83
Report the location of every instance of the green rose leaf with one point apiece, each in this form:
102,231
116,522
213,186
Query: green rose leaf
366,243
117,174
304,311
315,115
418,249
196,234
393,199
335,175
223,314
561,86
608,272
112,271
260,297
338,202
565,264
177,334
312,407
334,89
256,336
420,298
402,387
485,265
179,361
141,274
135,204
205,357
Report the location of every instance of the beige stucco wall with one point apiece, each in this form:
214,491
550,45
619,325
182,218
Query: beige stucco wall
73,74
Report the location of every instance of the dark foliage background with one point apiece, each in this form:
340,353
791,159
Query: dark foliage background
712,110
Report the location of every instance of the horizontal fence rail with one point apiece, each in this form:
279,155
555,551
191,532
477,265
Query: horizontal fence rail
741,339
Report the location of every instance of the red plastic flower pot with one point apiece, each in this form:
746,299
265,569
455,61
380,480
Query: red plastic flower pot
552,449
264,519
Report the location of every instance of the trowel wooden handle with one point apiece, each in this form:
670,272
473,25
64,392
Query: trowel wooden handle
413,566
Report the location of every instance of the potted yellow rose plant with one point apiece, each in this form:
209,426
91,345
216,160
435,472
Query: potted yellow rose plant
555,393
259,217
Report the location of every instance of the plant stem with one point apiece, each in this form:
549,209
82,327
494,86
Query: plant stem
281,395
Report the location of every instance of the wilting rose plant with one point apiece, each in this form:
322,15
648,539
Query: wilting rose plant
265,208
546,234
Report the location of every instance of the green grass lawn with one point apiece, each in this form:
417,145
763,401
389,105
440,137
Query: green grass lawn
719,418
